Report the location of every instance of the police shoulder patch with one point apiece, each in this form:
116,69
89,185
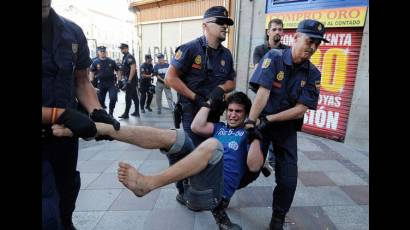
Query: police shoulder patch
280,76
130,60
222,62
178,55
198,59
74,47
266,63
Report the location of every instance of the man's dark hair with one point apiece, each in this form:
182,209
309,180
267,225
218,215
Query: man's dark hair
241,99
276,21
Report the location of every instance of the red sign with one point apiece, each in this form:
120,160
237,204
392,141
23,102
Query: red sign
337,61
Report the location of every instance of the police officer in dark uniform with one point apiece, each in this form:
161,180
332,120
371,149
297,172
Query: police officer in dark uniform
202,69
65,63
129,73
274,34
146,71
103,69
286,85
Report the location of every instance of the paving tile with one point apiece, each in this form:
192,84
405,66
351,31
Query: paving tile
86,220
345,178
85,154
157,155
127,201
348,217
165,219
320,196
106,181
309,218
260,196
87,178
321,155
150,167
255,218
329,166
93,166
107,155
122,220
96,200
358,193
137,155
315,179
166,199
114,166
305,144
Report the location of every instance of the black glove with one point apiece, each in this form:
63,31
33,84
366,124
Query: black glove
80,124
199,100
100,115
252,132
216,96
264,124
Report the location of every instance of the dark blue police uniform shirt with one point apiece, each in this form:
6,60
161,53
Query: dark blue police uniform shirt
69,53
146,69
288,83
104,69
127,61
161,70
190,58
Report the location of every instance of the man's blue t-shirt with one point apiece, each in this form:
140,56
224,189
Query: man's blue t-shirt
161,70
235,154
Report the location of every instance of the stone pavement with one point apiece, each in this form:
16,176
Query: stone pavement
332,191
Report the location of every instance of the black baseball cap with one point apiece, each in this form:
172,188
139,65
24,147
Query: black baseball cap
148,56
160,55
312,28
219,12
123,45
101,48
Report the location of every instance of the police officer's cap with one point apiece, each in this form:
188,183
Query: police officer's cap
160,55
148,56
123,45
312,28
219,12
101,48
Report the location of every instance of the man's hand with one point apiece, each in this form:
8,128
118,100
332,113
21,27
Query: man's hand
251,131
199,100
216,96
81,125
100,115
263,124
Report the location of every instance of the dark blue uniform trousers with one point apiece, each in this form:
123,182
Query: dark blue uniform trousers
112,94
61,181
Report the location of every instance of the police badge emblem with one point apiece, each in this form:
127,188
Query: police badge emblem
98,66
178,55
198,59
222,62
319,27
280,76
74,47
302,83
266,63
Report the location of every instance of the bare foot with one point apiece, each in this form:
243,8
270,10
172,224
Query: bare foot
133,180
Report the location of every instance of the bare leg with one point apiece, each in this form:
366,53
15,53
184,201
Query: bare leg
142,136
190,165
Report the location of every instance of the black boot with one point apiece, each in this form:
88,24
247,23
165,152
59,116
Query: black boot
124,116
135,114
276,222
148,108
222,219
69,226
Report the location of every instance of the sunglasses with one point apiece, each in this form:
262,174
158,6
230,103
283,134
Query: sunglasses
219,21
